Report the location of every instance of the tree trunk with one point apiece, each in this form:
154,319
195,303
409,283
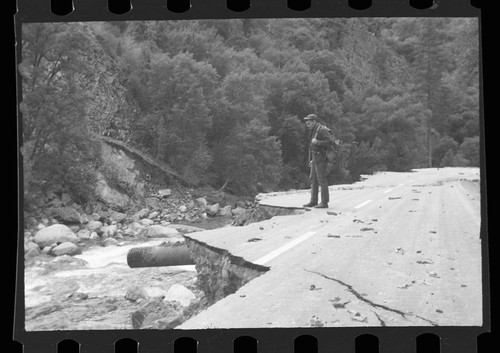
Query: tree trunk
223,186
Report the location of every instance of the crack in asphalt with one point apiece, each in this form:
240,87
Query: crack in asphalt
369,302
382,322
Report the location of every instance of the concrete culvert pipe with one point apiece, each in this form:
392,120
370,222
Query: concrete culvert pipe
161,255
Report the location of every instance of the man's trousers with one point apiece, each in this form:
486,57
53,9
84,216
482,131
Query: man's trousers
318,178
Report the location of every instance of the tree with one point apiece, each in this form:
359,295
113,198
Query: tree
180,88
426,43
57,143
251,159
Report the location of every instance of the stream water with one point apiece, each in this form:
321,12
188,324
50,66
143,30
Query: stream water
87,291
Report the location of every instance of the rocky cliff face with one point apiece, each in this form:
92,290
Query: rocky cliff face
112,107
363,54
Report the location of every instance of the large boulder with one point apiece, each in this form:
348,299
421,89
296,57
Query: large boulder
117,216
94,226
56,233
135,293
66,248
146,222
141,214
30,245
31,250
109,242
157,231
66,215
225,211
84,234
156,314
180,294
109,231
213,210
238,211
202,202
112,197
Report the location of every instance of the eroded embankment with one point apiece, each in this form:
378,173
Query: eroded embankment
219,272
264,212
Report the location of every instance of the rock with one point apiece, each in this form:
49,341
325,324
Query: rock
30,245
152,202
134,228
110,196
94,226
40,226
74,227
54,234
66,248
147,222
164,193
240,203
117,216
153,292
225,211
66,199
134,293
202,202
169,322
141,214
213,210
157,314
66,215
183,208
109,242
84,218
94,236
109,231
239,211
153,215
180,294
185,228
83,234
47,250
157,231
79,296
33,252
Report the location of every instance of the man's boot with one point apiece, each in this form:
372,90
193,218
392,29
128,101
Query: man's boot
322,205
310,204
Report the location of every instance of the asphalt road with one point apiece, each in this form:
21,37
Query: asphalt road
396,249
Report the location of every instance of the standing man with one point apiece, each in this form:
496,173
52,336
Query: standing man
319,141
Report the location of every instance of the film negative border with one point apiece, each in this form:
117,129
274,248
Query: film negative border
95,10
390,339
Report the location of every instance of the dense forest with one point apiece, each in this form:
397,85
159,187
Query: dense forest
222,101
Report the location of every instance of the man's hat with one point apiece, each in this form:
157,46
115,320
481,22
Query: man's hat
311,117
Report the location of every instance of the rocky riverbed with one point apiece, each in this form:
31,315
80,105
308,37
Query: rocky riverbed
97,290
76,274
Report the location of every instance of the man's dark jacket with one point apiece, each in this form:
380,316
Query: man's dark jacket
322,135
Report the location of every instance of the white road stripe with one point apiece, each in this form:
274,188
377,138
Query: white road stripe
386,191
284,248
363,204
